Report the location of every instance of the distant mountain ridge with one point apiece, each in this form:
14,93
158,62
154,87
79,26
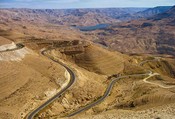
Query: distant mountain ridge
150,35
150,12
153,11
79,17
170,14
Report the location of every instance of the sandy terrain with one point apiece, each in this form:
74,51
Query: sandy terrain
4,41
160,112
30,81
27,83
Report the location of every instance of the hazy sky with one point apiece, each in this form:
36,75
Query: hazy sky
83,3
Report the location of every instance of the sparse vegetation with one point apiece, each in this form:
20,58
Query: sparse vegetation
32,79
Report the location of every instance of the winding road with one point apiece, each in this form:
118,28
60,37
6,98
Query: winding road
48,102
111,84
154,74
72,80
107,92
152,83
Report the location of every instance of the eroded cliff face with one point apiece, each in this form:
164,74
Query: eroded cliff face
93,58
166,43
154,40
154,35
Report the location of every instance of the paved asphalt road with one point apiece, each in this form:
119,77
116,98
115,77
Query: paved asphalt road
107,92
72,80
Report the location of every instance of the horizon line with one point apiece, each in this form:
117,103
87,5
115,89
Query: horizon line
82,7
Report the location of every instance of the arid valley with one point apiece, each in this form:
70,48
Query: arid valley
87,63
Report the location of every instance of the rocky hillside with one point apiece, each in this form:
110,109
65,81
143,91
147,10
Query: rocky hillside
168,16
145,13
153,11
80,17
27,83
153,35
